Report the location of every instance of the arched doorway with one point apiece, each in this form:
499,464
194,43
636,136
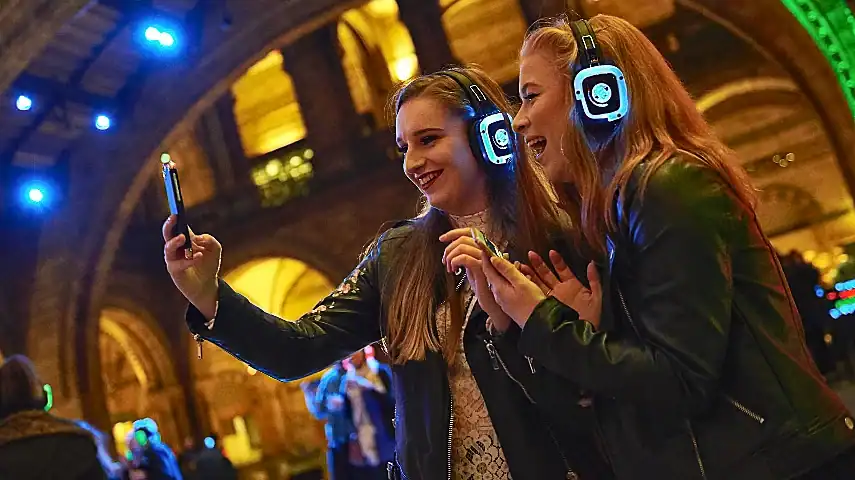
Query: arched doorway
255,416
138,377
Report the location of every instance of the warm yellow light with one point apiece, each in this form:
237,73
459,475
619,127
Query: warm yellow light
273,168
251,370
271,60
405,68
308,154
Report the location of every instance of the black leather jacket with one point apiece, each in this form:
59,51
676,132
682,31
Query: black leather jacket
699,368
539,443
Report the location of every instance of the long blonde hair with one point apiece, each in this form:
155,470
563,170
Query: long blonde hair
662,121
521,207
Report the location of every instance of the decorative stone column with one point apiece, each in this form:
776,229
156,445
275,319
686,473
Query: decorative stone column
333,125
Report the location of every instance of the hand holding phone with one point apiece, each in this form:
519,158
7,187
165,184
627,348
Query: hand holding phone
485,244
176,203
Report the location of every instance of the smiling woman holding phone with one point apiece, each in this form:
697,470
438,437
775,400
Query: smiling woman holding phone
460,413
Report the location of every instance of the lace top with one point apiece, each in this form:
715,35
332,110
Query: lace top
475,449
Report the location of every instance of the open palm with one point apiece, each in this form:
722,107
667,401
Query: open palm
563,285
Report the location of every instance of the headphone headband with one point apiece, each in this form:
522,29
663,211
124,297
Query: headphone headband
477,98
586,42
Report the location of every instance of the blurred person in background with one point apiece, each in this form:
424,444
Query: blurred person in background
367,389
113,469
150,455
33,443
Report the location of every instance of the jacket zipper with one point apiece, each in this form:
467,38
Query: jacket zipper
497,362
469,308
695,448
450,429
747,411
199,341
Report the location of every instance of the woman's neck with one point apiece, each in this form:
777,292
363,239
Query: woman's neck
477,219
480,220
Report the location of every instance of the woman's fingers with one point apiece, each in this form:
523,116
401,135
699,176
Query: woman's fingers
166,230
543,271
462,245
561,268
453,235
532,275
594,281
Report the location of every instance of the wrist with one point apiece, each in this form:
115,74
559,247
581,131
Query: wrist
207,300
497,325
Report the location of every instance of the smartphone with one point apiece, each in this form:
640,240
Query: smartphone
176,203
486,244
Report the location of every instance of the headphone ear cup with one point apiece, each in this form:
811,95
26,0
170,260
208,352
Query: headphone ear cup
475,141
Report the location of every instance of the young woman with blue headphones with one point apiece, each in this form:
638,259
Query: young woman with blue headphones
460,411
690,346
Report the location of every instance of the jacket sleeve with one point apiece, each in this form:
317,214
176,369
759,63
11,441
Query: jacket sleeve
680,305
346,320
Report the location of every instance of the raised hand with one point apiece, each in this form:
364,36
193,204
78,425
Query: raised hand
564,286
196,277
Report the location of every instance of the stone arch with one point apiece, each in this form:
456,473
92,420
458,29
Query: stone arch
138,373
71,279
784,207
742,87
773,30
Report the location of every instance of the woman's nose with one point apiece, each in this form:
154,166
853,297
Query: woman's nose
413,162
520,123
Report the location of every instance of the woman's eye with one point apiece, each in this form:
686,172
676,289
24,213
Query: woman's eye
428,139
529,97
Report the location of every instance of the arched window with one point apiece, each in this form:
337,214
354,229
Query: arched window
378,52
266,108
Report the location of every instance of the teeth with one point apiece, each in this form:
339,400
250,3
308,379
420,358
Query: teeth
427,178
537,145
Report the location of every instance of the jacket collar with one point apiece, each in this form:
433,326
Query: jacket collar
34,423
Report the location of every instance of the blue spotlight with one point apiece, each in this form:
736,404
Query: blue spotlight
209,442
160,36
166,39
23,103
35,195
152,34
102,122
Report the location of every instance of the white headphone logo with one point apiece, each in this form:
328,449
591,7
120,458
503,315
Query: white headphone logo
501,138
600,94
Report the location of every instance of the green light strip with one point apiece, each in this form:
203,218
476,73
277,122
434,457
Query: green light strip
832,26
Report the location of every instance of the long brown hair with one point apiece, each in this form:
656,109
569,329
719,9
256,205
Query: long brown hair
522,207
662,121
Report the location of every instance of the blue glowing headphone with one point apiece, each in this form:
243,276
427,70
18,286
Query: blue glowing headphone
599,88
490,133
